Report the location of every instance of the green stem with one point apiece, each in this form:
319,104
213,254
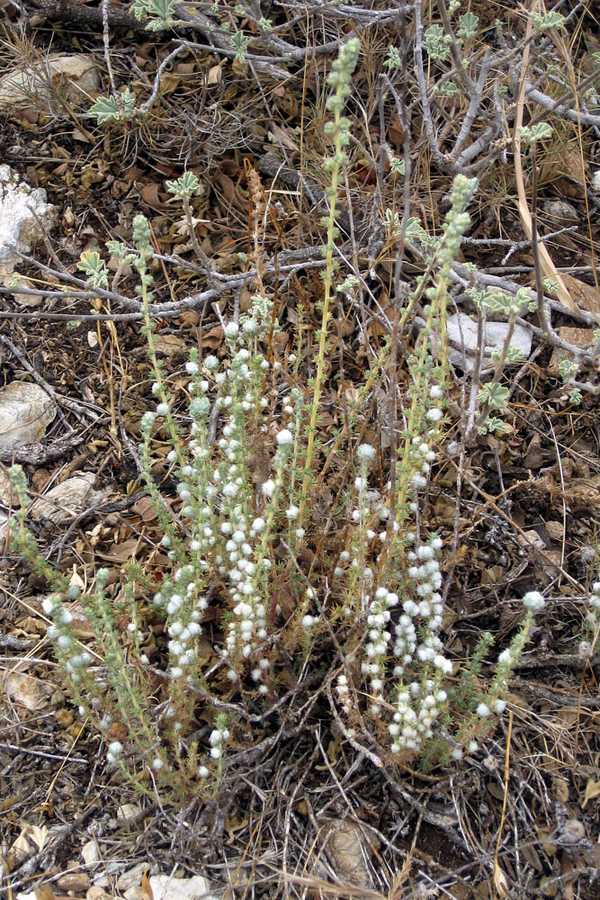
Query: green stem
328,283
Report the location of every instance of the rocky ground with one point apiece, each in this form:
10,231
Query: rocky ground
240,104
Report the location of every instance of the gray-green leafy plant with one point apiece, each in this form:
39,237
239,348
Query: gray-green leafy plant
157,14
119,107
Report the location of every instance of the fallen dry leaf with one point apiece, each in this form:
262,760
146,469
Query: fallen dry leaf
145,509
31,839
80,624
213,338
581,337
120,553
169,344
586,296
14,282
151,195
23,689
546,262
592,791
30,625
215,74
565,161
189,318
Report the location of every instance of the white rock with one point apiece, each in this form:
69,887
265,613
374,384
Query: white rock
132,877
68,499
3,529
22,209
90,852
166,888
95,892
128,811
26,410
462,335
136,892
347,851
560,212
35,84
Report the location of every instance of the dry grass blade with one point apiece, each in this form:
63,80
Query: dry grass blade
322,888
548,266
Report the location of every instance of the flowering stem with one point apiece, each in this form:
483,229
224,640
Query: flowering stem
340,80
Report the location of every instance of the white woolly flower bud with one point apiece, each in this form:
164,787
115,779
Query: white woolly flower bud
48,605
268,488
534,601
285,438
365,452
250,326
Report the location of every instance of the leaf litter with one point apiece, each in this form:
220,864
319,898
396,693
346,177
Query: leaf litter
528,491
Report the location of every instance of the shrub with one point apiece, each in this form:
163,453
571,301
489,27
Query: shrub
278,585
